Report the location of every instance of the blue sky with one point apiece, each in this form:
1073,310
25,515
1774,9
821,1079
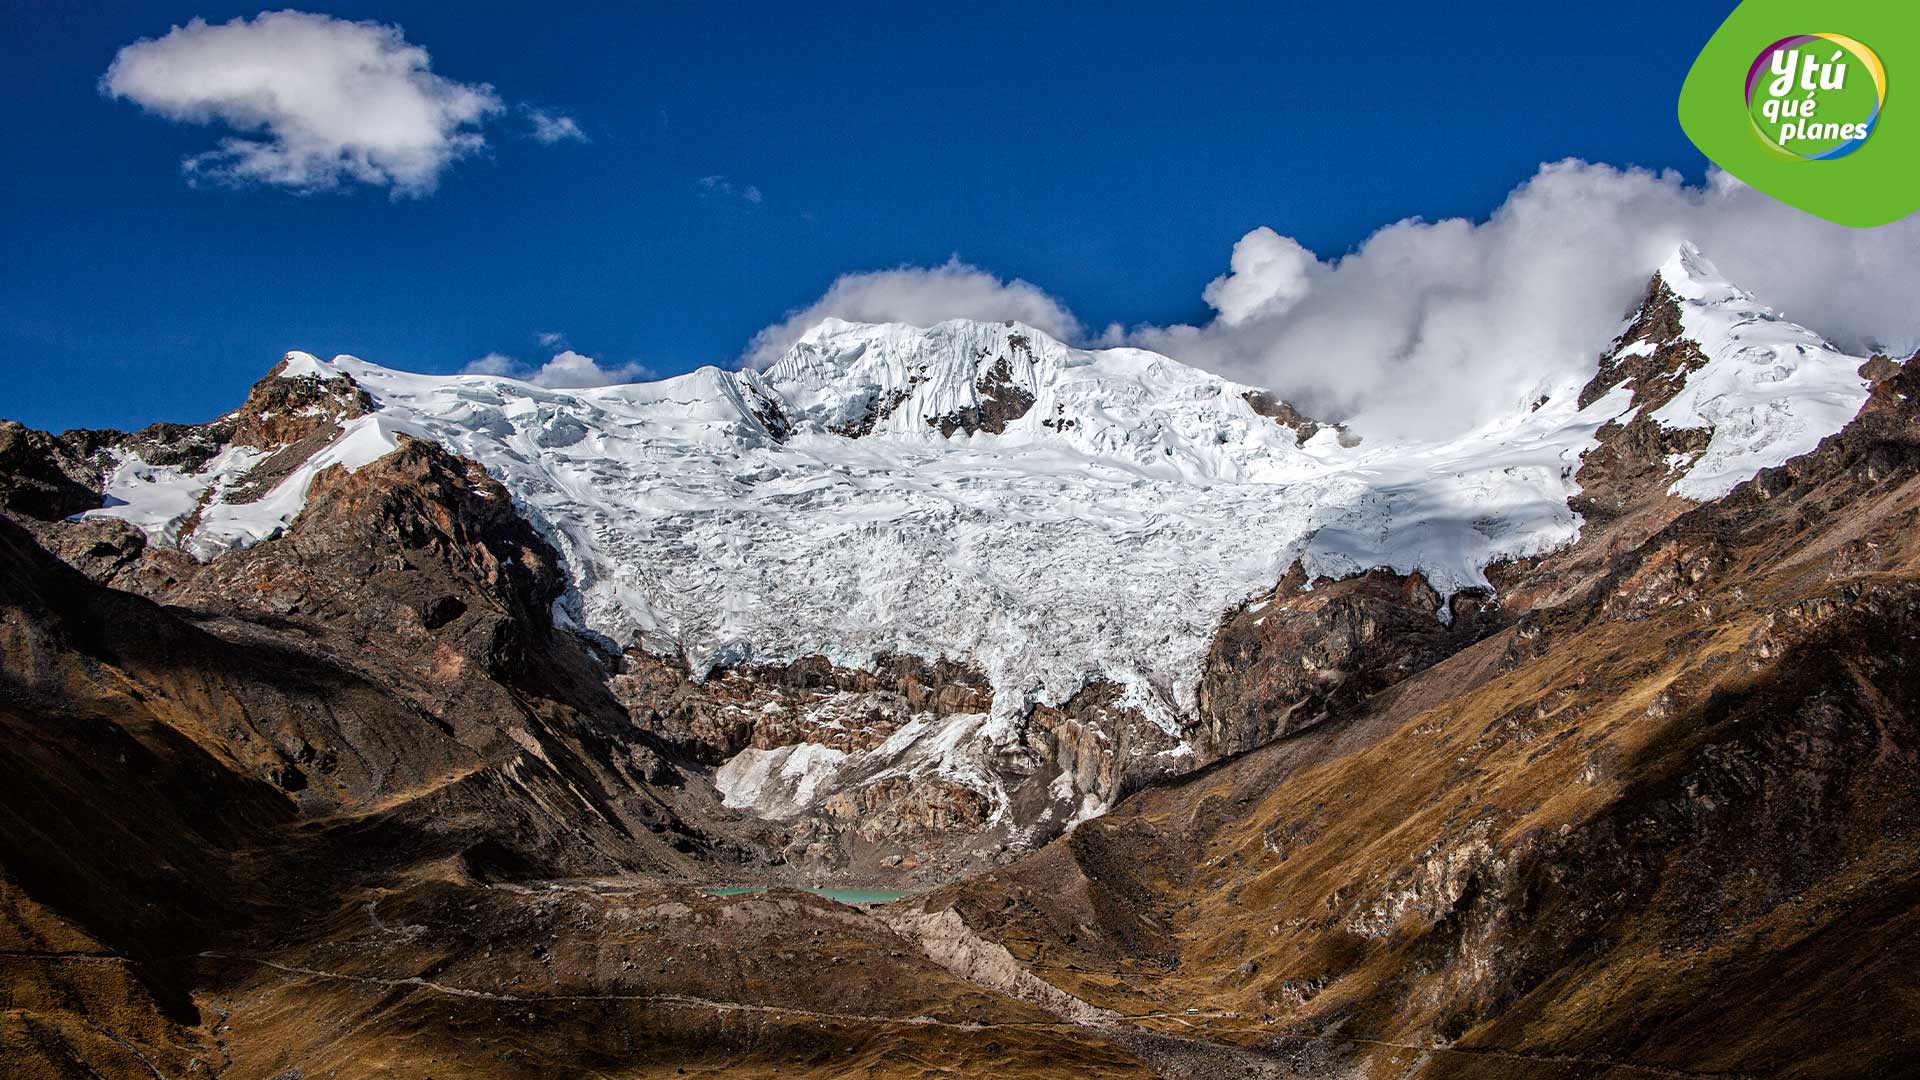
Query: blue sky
1112,156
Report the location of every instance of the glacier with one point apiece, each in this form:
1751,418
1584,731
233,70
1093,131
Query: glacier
1101,533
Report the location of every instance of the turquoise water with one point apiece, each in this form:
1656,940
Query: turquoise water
844,896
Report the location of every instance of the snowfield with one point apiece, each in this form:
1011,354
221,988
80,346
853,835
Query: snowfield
1770,391
1102,534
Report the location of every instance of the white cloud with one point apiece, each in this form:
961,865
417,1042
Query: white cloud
313,102
920,296
568,370
1269,273
549,339
550,128
1432,327
721,186
494,364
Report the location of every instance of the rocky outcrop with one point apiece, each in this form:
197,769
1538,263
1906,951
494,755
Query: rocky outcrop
1652,356
1636,461
1624,479
1093,750
1282,412
48,477
868,772
292,403
1313,651
811,700
1000,400
876,408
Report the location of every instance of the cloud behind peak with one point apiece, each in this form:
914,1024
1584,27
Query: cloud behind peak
919,296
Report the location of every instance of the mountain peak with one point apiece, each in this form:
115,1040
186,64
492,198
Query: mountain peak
834,327
296,364
1703,356
1693,276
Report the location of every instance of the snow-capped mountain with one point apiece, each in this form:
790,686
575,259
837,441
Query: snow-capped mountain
980,492
1769,390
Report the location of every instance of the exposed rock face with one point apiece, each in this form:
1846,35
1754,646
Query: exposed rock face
1001,399
1663,355
1310,652
1100,749
1638,459
1667,824
809,700
290,405
1624,480
849,771
48,477
294,417
878,407
1304,427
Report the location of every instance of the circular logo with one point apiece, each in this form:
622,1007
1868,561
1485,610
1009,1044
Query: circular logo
1815,97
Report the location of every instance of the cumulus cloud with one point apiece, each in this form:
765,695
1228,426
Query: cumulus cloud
313,102
1267,275
568,370
920,296
550,128
1432,327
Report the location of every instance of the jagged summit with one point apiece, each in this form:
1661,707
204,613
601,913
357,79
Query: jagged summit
957,376
1693,276
1689,269
1703,354
964,377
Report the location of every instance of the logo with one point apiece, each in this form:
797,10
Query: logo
1820,122
1815,97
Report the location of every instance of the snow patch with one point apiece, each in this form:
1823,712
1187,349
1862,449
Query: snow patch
299,364
162,499
777,783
